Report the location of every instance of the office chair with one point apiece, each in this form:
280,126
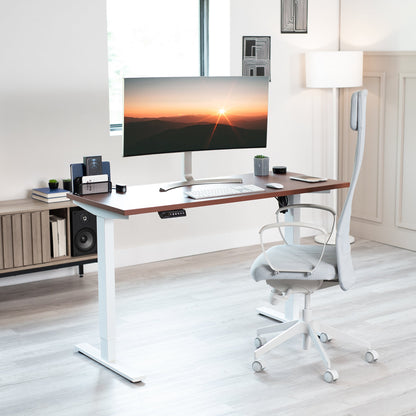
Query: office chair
292,269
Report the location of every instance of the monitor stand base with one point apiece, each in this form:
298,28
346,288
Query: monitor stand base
189,180
192,181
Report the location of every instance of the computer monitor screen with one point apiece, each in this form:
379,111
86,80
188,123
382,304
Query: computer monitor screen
164,115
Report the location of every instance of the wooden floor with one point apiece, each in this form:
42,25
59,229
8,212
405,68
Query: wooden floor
189,325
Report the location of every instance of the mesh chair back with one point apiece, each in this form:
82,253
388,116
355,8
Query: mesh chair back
343,247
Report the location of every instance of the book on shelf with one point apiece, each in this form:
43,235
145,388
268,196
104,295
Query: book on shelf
50,200
49,193
58,236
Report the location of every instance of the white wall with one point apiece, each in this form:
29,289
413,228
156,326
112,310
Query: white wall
295,124
378,25
54,110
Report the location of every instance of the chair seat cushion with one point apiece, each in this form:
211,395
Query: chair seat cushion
296,257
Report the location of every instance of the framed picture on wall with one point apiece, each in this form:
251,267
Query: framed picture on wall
256,56
294,16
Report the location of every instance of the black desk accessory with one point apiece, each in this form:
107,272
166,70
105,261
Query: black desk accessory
173,213
279,170
121,189
93,165
78,170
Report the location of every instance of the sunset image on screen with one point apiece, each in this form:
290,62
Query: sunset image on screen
163,115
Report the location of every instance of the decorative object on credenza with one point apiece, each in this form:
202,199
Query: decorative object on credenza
50,195
261,165
67,184
256,56
53,184
294,16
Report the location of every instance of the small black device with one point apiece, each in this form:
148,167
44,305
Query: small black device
93,165
279,170
173,213
83,232
121,189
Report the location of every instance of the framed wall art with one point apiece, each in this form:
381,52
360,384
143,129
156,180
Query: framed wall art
294,16
256,56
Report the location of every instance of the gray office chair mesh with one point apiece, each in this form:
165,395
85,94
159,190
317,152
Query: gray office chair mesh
291,269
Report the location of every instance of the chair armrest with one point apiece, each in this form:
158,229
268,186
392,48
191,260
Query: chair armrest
312,206
292,224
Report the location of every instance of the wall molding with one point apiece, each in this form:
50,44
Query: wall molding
400,222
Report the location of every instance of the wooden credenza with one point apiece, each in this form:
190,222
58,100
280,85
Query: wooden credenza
25,241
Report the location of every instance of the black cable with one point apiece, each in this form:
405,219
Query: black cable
283,202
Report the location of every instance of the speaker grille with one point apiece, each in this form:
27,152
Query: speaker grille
85,240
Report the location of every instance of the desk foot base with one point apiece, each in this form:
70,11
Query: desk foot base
94,354
271,313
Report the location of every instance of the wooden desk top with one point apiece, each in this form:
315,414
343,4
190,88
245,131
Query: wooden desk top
142,199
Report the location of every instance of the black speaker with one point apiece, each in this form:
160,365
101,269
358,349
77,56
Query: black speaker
83,232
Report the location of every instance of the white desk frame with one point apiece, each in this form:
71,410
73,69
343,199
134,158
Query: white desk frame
106,354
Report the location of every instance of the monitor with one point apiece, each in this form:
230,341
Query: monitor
165,115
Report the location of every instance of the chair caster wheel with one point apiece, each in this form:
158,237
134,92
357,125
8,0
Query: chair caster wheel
258,342
257,366
324,337
371,356
330,376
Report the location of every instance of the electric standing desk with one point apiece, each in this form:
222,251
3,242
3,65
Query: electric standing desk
147,198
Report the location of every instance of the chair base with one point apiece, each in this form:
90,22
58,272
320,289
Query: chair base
312,331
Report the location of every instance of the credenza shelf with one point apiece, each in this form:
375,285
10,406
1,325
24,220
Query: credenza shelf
25,242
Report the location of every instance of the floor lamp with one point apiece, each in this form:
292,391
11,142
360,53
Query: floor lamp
333,69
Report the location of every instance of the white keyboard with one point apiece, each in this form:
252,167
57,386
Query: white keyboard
222,191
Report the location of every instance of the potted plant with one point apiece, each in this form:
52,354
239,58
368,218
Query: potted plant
261,165
53,184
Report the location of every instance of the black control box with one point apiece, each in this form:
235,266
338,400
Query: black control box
173,213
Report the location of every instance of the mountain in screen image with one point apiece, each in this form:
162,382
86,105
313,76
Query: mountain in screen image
192,133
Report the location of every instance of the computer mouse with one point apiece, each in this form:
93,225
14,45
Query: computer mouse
274,185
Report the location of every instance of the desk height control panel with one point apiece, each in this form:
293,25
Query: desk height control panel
173,213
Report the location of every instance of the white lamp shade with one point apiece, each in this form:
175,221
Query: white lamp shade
334,69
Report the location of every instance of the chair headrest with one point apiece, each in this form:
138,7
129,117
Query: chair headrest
354,111
357,110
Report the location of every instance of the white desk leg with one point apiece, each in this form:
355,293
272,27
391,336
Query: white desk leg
293,304
106,355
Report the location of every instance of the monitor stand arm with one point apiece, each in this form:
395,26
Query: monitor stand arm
189,180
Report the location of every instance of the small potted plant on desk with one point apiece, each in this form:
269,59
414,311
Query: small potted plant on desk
53,184
261,165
